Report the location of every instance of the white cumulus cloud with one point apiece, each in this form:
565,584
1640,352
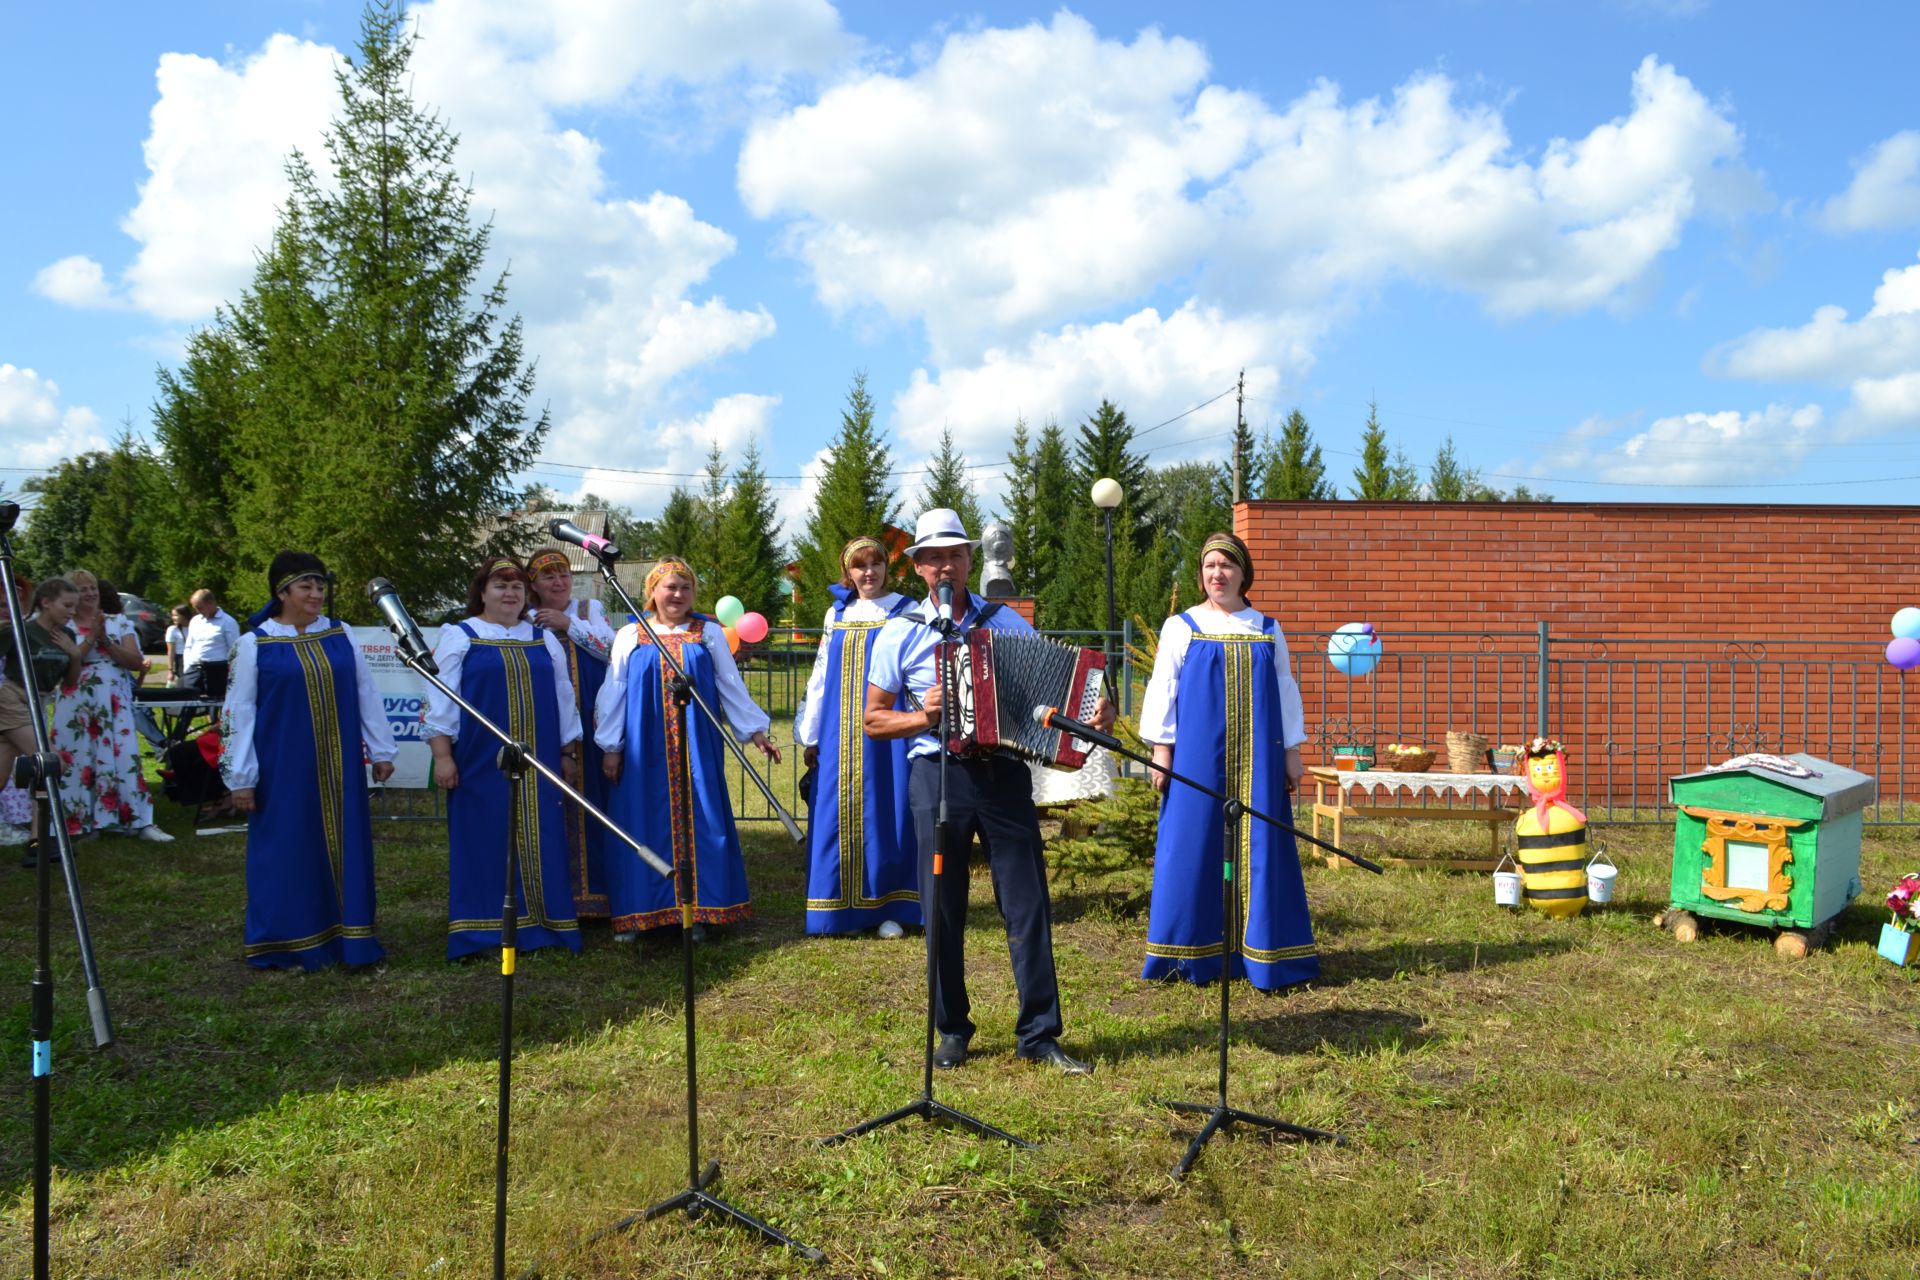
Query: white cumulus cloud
1027,177
1885,191
1151,366
1721,447
75,281
36,430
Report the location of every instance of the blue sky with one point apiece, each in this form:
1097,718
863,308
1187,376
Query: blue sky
1621,250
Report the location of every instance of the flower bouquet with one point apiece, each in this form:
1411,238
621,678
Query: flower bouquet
1896,937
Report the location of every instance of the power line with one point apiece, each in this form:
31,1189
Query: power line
1176,417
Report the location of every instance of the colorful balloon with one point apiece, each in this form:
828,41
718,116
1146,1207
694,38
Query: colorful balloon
728,610
1904,653
752,628
733,639
1906,623
1354,649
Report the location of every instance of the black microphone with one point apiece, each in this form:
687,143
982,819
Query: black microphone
400,622
1051,718
592,544
943,606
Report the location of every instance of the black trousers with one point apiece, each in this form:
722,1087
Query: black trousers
993,798
209,679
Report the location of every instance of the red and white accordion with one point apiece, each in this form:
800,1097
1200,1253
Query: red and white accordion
1001,676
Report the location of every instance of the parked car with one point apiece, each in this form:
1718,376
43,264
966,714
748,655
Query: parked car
149,621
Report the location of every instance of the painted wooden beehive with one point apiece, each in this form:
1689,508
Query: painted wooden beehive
1770,841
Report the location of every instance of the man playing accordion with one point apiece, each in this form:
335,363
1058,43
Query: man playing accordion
987,794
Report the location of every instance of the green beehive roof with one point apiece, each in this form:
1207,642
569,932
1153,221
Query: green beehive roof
1839,790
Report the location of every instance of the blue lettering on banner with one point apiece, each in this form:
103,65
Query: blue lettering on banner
406,716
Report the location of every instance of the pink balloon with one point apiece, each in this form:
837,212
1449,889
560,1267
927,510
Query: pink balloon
1904,653
752,628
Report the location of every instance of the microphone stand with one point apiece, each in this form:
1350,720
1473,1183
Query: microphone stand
925,1105
695,1199
514,760
39,774
1219,1113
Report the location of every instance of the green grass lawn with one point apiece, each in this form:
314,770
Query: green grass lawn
1520,1097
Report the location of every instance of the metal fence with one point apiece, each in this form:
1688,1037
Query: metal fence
1632,713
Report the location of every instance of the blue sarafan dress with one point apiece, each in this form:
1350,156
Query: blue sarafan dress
310,840
1228,736
654,801
862,852
510,682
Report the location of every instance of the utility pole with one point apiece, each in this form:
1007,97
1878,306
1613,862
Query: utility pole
1239,434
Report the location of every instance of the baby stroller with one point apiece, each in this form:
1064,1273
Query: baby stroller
190,774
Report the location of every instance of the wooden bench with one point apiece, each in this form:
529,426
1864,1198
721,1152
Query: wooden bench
1415,795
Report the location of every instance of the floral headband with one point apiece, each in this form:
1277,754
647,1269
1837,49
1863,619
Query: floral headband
545,560
858,545
666,567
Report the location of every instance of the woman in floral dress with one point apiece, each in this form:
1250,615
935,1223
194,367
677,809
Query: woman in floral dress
101,781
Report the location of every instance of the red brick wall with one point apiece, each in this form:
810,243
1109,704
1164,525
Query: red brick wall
1806,589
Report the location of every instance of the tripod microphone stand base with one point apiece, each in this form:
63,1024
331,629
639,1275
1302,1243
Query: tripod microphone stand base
930,1109
696,1200
1221,1116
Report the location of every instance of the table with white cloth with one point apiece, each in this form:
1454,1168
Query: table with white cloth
1340,794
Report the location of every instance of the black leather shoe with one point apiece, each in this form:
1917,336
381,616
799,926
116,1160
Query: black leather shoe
1054,1056
950,1052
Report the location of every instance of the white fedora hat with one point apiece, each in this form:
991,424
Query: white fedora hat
940,527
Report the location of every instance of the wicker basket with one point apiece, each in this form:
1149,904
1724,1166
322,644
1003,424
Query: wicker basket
1407,760
1466,752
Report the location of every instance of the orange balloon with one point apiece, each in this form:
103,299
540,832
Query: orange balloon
733,639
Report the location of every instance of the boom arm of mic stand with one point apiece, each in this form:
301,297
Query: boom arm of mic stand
673,660
648,856
1114,744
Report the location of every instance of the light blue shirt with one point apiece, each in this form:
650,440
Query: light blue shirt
904,655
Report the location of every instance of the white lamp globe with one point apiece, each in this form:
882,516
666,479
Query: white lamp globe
1107,493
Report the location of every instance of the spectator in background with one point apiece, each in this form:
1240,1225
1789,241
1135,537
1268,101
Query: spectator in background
211,637
177,643
103,785
57,655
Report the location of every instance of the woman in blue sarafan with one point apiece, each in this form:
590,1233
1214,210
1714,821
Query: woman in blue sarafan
301,716
515,675
668,769
862,853
1223,708
587,639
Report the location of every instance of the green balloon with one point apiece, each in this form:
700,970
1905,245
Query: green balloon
729,610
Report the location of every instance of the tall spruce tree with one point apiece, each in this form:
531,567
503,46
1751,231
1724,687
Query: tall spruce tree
679,530
1076,599
1373,478
1293,468
750,562
1045,574
366,397
1449,479
948,484
705,552
857,497
1019,503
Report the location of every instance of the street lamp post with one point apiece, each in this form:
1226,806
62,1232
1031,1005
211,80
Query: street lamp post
1106,495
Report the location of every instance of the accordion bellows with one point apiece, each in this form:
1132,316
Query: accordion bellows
1001,676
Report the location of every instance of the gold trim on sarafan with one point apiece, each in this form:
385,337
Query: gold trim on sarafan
329,750
854,649
1237,676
